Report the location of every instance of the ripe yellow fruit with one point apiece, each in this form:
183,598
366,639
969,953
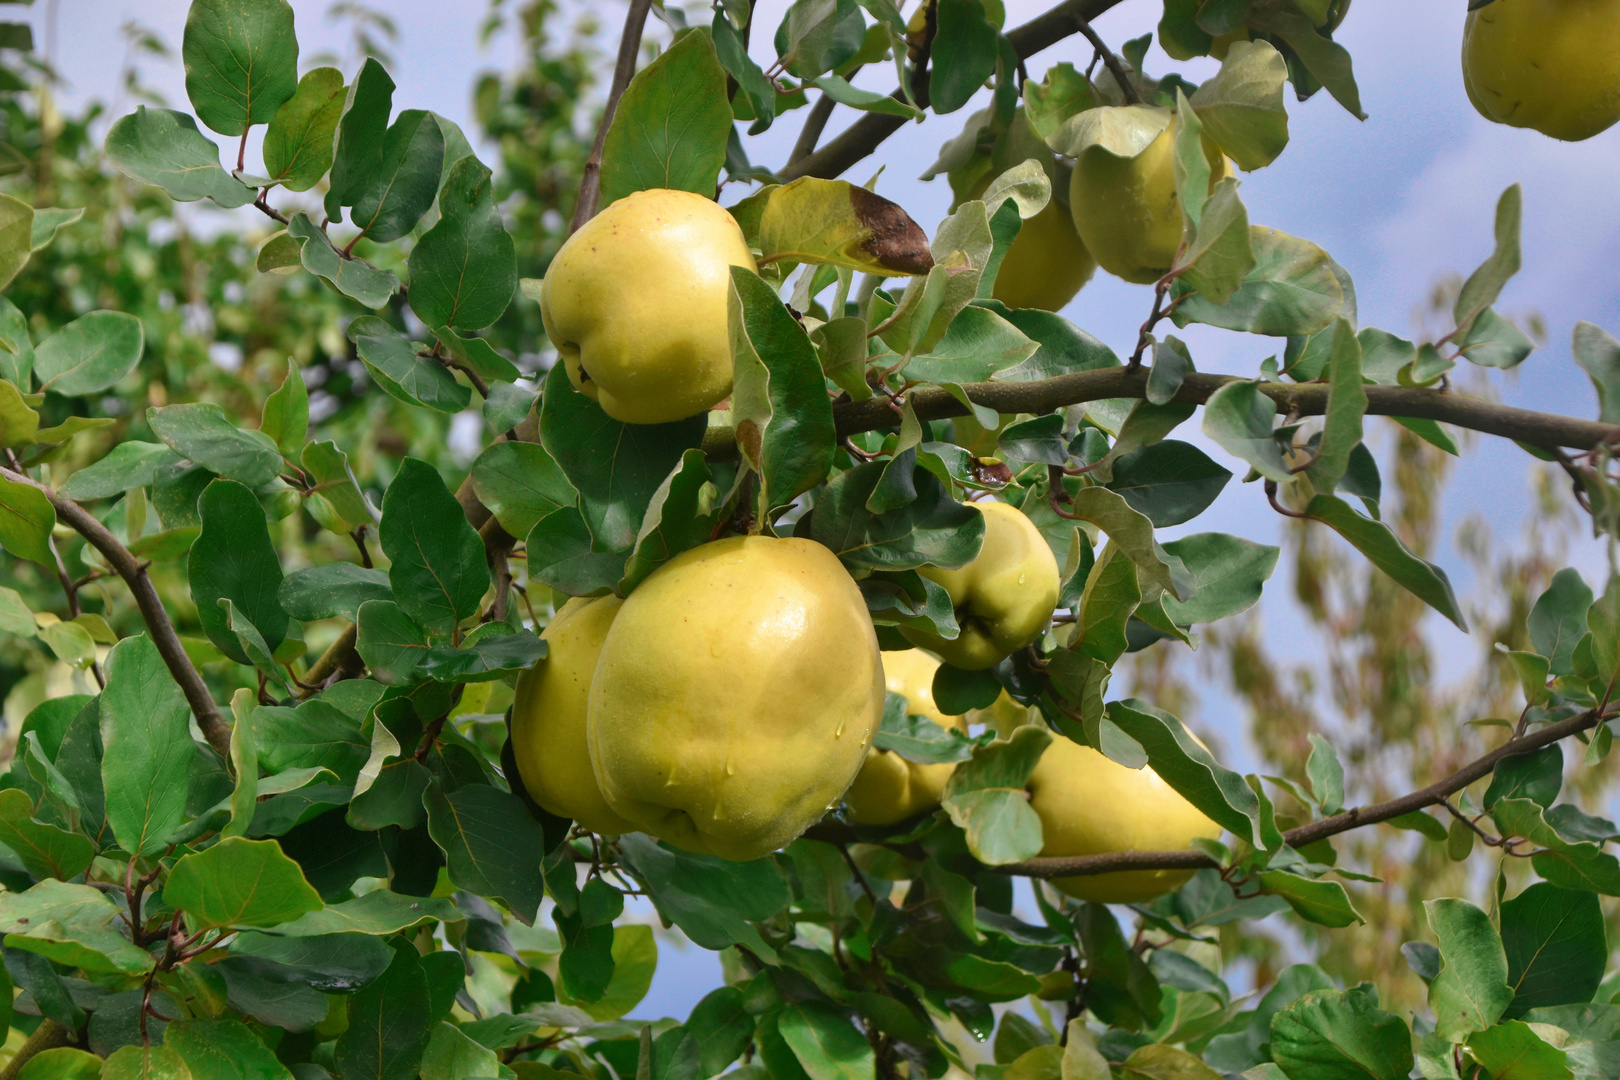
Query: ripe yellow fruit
548,717
735,696
1090,805
1125,209
1047,263
1551,65
889,788
635,303
1003,597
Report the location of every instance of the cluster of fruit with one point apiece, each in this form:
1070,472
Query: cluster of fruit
731,699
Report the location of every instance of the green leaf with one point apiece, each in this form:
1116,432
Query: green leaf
351,277
148,750
379,912
1324,59
1495,342
145,1061
16,237
671,128
837,223
977,345
1161,1062
478,356
390,642
74,925
963,58
1341,1035
90,354
48,221
358,146
19,424
1326,775
506,407
464,269
1555,944
163,148
1484,285
1536,775
1064,92
712,900
1291,290
1242,106
586,963
15,616
732,52
560,556
322,592
1347,402
1240,419
286,413
241,60
917,738
239,882
62,1063
1515,1051
1385,550
840,90
1169,482
1111,595
1132,531
439,573
615,466
128,465
635,961
223,1049
394,197
452,1055
1599,354
1171,366
1471,991
233,559
1228,573
405,372
933,529
203,433
298,144
681,515
492,845
784,421
985,797
70,642
298,141
1578,865
45,850
827,1045
314,735
390,1022
1557,622
16,348
1317,900
26,521
1122,989
1219,793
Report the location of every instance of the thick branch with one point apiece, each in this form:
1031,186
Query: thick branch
133,571
1434,794
1293,399
865,135
590,185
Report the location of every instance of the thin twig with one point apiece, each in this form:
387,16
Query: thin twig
1109,60
815,122
590,185
133,571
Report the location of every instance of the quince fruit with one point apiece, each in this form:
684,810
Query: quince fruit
548,717
735,696
889,788
635,303
1091,805
1551,65
1125,209
1004,596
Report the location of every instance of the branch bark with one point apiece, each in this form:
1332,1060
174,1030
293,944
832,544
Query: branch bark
1433,795
865,135
590,185
133,571
1293,399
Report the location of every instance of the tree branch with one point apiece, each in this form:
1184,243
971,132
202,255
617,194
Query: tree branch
1434,794
133,571
590,185
865,135
1296,399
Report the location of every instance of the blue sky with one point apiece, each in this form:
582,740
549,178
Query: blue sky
1399,199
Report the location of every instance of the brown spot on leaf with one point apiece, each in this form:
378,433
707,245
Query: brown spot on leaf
750,440
896,241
